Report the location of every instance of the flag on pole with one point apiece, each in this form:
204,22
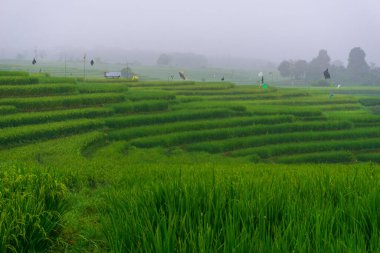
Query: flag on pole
182,75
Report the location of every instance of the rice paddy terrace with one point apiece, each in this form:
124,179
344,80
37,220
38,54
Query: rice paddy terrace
120,166
260,125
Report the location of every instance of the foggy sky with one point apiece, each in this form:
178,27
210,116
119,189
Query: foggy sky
263,29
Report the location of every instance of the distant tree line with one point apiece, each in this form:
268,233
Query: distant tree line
357,71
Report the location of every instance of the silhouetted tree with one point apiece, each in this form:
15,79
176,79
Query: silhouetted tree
164,59
127,72
318,65
299,69
357,69
285,68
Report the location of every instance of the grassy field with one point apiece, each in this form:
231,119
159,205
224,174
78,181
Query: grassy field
157,166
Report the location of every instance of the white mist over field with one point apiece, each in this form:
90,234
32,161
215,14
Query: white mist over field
253,29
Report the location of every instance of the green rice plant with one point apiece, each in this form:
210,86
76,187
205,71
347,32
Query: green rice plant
159,118
55,79
7,109
365,120
32,206
101,87
13,73
273,110
245,131
141,106
202,86
270,139
92,144
51,116
315,100
149,95
184,104
369,157
309,147
135,132
375,109
221,92
160,83
258,96
54,102
36,90
370,101
124,81
24,134
320,157
300,211
17,80
338,107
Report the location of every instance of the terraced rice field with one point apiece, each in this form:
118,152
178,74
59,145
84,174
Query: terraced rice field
219,118
120,166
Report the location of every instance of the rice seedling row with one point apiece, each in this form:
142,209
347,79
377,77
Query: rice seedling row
19,119
36,90
7,109
309,147
205,86
24,134
292,137
8,73
134,132
218,134
55,102
142,106
101,87
160,84
17,80
319,157
159,118
149,95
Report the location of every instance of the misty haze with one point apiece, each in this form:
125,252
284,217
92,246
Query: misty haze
189,126
260,30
